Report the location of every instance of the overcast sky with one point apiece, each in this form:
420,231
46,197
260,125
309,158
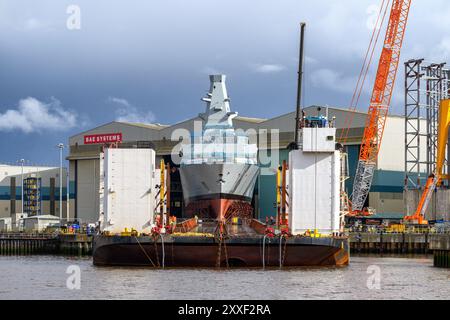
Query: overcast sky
148,61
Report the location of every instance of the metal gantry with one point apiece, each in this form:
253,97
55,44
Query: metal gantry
426,84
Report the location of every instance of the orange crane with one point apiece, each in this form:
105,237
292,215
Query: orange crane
436,178
379,104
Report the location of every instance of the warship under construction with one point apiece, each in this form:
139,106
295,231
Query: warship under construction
219,168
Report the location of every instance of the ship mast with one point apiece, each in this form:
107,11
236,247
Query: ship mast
218,114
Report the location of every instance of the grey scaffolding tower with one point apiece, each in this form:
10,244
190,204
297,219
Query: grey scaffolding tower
426,84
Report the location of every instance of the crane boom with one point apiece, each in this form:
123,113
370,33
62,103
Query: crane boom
380,102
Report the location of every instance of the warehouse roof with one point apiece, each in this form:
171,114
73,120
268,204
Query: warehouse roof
156,131
248,119
155,126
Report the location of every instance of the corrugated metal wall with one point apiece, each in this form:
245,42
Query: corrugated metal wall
87,207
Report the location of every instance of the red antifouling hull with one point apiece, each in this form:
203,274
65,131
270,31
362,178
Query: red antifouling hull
218,208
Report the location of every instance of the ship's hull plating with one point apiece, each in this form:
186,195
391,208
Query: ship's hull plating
203,252
217,187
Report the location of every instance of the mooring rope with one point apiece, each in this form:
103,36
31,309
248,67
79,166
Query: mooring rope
219,253
226,253
264,252
156,250
173,263
143,250
282,257
281,242
163,252
220,234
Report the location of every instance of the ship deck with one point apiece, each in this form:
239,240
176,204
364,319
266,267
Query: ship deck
247,234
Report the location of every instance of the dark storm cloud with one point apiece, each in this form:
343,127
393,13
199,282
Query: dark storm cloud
157,54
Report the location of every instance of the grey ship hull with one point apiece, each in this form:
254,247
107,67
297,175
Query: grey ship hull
217,186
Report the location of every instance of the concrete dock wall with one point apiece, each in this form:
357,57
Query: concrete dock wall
23,244
441,258
414,243
404,243
439,208
14,245
76,244
440,244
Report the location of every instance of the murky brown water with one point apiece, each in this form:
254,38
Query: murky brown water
44,277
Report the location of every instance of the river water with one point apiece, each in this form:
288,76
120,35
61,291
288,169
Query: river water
367,277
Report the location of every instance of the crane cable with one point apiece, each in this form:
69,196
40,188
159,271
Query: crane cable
364,69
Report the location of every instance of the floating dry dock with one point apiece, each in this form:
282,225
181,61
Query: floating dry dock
244,247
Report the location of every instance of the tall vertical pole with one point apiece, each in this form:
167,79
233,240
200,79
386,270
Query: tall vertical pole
168,194
283,192
67,197
278,196
162,191
22,198
298,117
60,146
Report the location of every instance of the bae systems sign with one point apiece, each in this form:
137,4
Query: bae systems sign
103,138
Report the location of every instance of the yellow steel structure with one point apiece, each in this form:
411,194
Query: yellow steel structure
279,186
278,195
435,179
162,190
444,124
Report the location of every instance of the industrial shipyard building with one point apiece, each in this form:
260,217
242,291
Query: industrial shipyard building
386,194
41,190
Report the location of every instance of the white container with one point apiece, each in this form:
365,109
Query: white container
127,189
5,224
314,185
319,139
40,223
